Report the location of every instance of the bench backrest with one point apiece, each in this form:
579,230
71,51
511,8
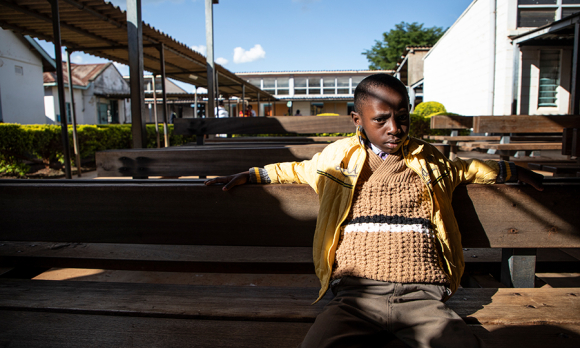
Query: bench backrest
507,124
189,213
265,125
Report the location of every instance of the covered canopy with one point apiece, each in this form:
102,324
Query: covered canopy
100,28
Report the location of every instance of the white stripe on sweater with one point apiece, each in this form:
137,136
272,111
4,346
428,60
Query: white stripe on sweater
376,227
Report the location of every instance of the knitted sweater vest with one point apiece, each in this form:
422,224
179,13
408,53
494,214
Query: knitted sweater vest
388,234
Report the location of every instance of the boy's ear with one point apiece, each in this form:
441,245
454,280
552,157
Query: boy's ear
355,118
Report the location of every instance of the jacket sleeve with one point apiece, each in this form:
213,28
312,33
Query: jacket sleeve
286,172
473,171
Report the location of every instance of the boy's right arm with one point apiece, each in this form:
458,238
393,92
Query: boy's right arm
230,180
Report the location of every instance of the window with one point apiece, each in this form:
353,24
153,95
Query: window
300,85
256,82
549,78
329,84
349,107
283,86
535,13
269,85
342,84
355,81
313,85
316,108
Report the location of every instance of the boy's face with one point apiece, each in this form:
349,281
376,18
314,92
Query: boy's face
385,119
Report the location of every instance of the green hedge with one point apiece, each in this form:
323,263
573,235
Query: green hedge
428,109
42,143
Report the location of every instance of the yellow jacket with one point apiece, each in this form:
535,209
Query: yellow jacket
333,173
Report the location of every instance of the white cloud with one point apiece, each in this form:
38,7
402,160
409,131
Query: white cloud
221,61
201,49
123,69
77,59
243,56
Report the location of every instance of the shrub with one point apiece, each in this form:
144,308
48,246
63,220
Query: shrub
43,144
428,109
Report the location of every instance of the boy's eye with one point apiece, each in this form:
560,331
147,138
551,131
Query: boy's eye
402,117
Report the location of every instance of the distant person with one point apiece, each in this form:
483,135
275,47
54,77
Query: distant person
173,117
298,113
220,111
250,112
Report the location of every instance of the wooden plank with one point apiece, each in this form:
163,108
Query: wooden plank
159,258
58,330
201,160
521,146
523,124
265,125
291,304
463,138
451,122
284,140
182,213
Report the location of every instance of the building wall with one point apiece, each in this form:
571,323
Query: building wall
21,93
458,68
415,65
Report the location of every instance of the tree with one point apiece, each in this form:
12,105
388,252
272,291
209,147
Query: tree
385,54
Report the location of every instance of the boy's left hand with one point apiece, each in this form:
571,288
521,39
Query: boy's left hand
531,178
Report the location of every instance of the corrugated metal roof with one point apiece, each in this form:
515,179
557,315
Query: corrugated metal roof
100,28
316,72
82,74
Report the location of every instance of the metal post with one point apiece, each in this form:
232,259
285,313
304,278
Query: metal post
518,267
73,113
60,86
575,95
195,105
135,48
155,111
244,99
209,112
164,93
258,107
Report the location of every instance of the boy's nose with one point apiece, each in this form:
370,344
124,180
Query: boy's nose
393,126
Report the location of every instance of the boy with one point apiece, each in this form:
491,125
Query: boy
386,242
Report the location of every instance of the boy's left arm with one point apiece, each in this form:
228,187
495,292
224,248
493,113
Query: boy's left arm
492,172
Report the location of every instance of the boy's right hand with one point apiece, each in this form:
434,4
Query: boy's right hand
230,180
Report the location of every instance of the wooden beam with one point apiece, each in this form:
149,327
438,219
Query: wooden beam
265,125
179,212
198,160
524,124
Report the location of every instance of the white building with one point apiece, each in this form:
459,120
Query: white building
311,92
21,66
98,94
471,69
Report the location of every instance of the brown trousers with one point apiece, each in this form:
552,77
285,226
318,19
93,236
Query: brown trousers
369,313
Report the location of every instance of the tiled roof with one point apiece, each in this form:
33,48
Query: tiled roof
312,72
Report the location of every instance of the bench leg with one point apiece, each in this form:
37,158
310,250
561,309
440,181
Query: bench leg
518,267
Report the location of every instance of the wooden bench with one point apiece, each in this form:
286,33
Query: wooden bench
223,156
517,132
184,226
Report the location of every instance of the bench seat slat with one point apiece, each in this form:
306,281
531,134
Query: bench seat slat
38,329
292,304
521,146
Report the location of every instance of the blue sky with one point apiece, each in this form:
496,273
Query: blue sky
286,35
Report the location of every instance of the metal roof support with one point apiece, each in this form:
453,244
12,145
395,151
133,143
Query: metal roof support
60,86
155,110
575,95
258,107
209,110
135,48
73,113
161,49
195,105
244,99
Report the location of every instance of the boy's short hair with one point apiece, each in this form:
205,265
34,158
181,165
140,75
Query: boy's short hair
363,90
